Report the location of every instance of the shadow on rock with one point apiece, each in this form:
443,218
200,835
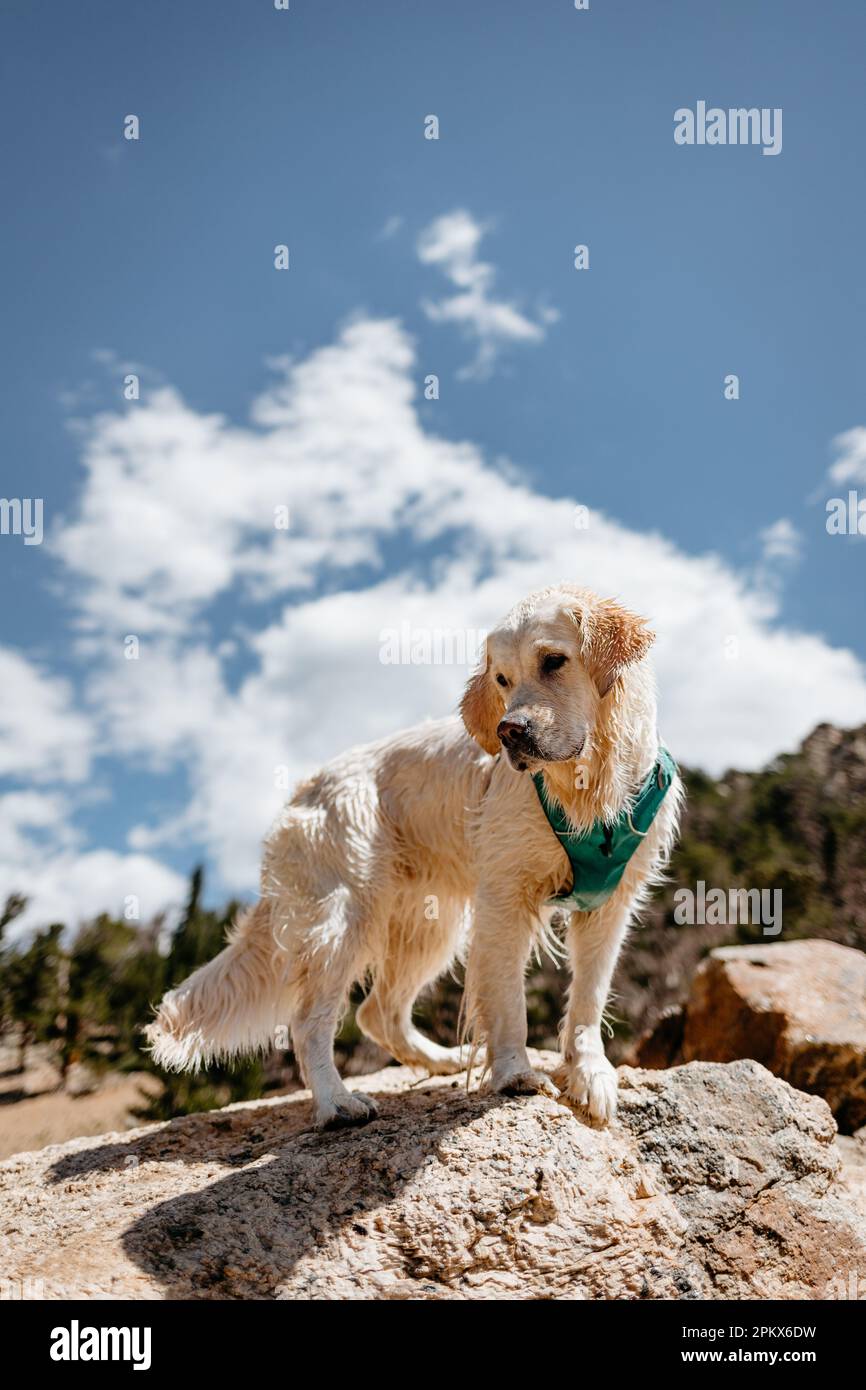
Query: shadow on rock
297,1194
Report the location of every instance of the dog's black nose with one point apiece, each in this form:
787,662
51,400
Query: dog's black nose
513,729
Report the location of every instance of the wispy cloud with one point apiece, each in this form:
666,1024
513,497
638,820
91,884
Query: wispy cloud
46,741
850,466
390,228
44,857
451,243
781,542
42,738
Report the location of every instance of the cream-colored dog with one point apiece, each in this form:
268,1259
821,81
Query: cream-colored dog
382,862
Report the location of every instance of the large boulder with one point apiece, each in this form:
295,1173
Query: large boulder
798,1007
715,1182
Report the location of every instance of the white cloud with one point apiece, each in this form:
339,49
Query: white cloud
23,811
42,857
45,740
74,888
451,244
41,736
180,506
850,467
781,542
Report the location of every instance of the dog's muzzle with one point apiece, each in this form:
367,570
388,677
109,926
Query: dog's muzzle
517,736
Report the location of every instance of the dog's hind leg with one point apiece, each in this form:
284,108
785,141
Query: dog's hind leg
322,975
417,951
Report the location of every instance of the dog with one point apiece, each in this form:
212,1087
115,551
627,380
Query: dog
390,860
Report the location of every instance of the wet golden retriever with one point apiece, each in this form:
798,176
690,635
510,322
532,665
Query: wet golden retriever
389,859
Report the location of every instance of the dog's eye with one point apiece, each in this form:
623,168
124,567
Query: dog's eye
552,662
501,680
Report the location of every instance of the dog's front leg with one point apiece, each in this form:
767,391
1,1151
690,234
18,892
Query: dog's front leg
594,941
495,999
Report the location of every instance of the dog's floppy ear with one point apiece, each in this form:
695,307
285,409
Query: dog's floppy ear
613,638
481,710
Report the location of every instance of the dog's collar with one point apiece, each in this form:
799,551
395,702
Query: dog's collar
599,856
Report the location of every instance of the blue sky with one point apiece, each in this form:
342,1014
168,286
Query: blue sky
305,127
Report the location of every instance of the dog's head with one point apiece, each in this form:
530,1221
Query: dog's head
546,671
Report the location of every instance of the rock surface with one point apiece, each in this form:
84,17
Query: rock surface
798,1007
852,1152
715,1182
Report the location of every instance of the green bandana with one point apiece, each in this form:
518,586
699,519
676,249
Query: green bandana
600,855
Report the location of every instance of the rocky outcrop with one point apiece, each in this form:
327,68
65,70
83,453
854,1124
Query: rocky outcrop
716,1181
798,1007
837,757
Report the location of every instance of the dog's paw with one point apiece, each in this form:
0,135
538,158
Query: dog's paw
339,1112
591,1083
524,1083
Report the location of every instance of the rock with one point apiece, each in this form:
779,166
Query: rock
837,757
661,1046
852,1156
798,1007
716,1181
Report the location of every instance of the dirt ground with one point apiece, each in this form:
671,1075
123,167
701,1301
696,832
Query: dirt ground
34,1113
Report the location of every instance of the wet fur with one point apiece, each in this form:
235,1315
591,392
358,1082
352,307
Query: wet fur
398,856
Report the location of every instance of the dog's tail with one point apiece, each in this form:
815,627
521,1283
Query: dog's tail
232,1005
